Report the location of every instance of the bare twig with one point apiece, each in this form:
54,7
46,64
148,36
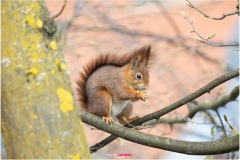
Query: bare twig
222,126
64,5
188,3
155,115
206,40
77,8
210,117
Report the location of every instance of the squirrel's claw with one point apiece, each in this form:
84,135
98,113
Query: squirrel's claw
107,119
143,95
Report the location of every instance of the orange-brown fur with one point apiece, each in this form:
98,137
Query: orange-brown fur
110,79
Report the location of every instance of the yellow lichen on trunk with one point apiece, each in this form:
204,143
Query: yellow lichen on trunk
39,119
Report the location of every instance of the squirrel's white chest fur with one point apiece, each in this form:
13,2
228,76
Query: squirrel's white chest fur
117,107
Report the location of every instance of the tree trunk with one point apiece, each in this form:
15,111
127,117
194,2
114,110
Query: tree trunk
39,119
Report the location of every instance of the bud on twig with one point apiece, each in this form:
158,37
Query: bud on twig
199,39
192,20
183,14
187,3
211,36
225,117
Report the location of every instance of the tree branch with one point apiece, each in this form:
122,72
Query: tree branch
64,5
215,105
156,115
185,147
207,16
199,107
77,8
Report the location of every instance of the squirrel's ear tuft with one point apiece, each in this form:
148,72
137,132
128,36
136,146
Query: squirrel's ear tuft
135,62
142,56
145,54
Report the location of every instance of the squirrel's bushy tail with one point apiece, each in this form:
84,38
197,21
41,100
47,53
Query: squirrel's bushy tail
102,60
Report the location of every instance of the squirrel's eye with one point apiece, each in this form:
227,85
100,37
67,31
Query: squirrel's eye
138,76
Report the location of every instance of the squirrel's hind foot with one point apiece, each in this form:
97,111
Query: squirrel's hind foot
107,119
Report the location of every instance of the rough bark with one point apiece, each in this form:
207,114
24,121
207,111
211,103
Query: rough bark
39,119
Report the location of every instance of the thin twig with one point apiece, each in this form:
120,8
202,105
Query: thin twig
188,3
206,40
64,5
222,126
209,115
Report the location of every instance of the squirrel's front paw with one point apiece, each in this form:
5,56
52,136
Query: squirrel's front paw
143,95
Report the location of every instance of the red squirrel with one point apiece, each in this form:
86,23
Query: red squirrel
109,84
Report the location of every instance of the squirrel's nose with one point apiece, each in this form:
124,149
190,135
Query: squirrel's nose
145,87
142,87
